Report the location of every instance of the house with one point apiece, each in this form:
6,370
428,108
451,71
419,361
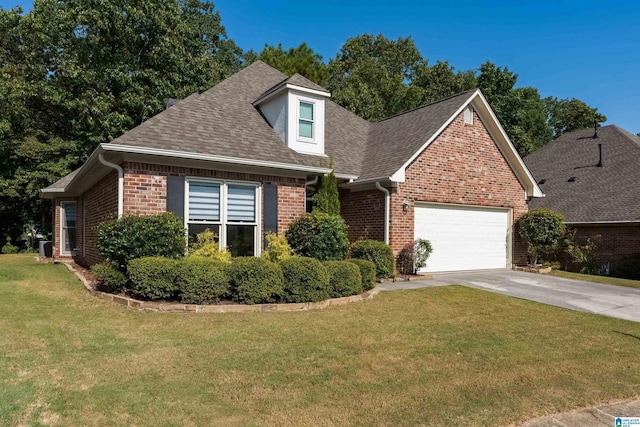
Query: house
242,159
592,178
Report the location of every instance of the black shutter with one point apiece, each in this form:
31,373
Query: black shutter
175,195
270,208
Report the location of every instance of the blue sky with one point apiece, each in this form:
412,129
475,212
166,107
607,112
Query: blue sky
586,49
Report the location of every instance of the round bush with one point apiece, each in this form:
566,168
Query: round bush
201,280
111,280
367,271
305,280
153,278
255,280
130,237
319,235
344,278
377,252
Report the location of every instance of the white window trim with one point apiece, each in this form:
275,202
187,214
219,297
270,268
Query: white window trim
300,138
222,222
62,221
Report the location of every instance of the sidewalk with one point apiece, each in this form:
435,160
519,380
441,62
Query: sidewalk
597,416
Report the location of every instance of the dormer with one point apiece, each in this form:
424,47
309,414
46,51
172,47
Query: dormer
295,110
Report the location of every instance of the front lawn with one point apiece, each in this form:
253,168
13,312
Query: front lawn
598,279
438,356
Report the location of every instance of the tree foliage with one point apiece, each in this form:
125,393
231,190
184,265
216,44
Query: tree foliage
74,74
568,115
302,60
542,230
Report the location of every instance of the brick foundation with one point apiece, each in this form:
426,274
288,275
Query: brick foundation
613,242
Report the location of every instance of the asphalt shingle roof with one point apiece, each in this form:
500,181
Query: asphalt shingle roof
596,194
394,140
223,121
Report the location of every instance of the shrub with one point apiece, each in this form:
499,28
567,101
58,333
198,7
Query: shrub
131,237
319,235
153,278
305,280
414,256
8,248
278,249
542,230
255,280
367,272
379,253
583,256
629,268
327,198
111,279
201,280
206,246
344,278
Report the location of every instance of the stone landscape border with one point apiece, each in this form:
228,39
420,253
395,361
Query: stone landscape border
170,307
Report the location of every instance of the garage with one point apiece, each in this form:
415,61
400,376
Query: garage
464,237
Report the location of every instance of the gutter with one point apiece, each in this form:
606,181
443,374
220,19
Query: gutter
120,182
387,206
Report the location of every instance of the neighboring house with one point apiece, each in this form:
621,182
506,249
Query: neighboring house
242,159
594,181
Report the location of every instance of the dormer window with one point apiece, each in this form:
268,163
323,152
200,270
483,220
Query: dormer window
305,120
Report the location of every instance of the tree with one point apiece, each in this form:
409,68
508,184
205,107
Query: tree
327,198
441,81
302,60
370,76
75,74
542,230
520,110
568,115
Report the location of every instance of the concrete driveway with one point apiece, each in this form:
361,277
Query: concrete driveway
609,300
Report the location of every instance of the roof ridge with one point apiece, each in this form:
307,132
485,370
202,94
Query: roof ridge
428,105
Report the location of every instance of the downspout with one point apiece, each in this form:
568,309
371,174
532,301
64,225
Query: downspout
314,181
387,206
120,182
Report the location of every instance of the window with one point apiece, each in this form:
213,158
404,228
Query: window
229,209
305,120
68,227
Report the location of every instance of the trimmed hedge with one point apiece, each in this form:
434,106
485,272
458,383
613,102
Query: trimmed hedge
305,280
319,235
367,271
131,237
377,252
153,278
344,278
201,280
111,280
255,280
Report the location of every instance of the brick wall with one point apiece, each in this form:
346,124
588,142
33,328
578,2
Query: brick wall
99,203
462,166
145,187
613,242
363,211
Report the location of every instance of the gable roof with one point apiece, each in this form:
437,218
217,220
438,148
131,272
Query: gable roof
596,194
394,140
225,125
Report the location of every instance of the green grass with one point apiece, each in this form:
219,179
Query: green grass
439,356
598,279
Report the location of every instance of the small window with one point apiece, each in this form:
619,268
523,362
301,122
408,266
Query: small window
468,116
305,121
68,223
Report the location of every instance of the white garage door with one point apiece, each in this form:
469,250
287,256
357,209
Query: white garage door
463,238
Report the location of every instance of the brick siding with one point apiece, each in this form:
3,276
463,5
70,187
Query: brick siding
613,242
462,165
145,189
